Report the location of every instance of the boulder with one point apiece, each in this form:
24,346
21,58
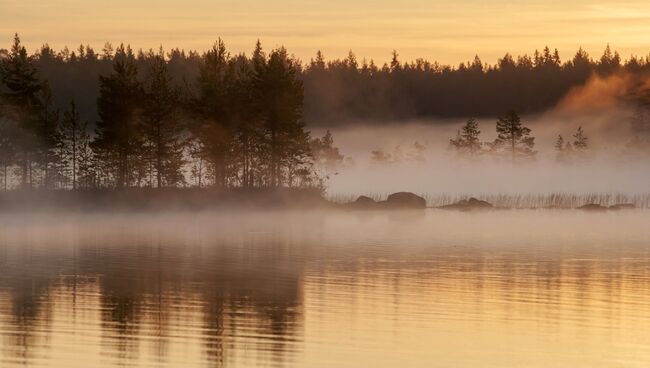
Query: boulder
364,202
404,200
469,204
592,207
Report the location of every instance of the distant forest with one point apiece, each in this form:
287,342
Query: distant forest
338,91
118,118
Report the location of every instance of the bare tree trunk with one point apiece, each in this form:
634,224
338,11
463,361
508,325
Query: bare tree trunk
74,156
245,164
150,172
273,160
31,177
121,177
74,166
512,141
46,181
200,171
159,157
24,180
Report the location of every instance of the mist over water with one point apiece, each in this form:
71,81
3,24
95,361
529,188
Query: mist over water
438,171
148,276
416,155
319,289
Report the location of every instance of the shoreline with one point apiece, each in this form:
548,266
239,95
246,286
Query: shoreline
207,199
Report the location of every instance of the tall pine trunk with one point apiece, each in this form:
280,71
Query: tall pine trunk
273,160
74,156
159,156
121,178
512,142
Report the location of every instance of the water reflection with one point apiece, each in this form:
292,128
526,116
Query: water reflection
326,289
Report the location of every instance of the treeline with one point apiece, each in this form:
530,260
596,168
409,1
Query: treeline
348,89
238,123
338,91
514,142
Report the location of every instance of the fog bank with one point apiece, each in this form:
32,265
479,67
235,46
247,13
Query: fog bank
416,156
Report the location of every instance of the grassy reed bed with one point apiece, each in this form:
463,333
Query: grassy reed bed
522,201
547,200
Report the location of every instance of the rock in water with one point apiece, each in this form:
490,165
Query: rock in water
592,207
404,200
477,203
468,204
364,202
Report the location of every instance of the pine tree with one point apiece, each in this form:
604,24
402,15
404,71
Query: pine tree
580,140
22,101
514,138
609,61
161,125
467,141
213,128
559,143
119,140
319,62
244,114
107,51
253,131
287,141
325,154
561,148
394,62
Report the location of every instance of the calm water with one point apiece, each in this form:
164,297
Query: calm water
435,289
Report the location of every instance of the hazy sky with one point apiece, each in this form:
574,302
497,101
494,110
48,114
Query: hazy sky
449,31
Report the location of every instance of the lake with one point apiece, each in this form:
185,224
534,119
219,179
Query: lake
326,289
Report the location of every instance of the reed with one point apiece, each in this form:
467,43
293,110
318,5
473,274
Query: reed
558,200
544,200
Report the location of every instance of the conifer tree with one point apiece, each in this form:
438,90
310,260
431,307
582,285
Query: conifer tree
559,143
514,138
325,153
467,141
394,62
161,126
213,127
287,141
580,140
319,62
562,148
244,113
253,131
22,104
118,131
327,157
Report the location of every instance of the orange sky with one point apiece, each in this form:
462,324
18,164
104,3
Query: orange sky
443,30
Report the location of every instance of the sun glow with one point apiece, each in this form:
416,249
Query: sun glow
450,32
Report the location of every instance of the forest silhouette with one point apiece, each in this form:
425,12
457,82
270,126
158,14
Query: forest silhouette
241,124
119,118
